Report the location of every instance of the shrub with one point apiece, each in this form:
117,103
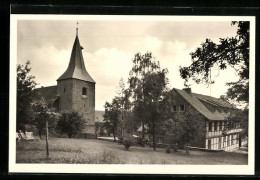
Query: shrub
127,142
168,150
71,123
141,141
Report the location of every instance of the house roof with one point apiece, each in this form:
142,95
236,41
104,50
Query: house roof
99,116
196,100
140,129
76,68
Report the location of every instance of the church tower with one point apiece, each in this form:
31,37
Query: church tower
76,88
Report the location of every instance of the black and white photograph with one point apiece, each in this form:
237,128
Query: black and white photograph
132,94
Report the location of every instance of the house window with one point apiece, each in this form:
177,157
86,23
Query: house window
174,108
160,140
215,126
64,90
84,91
232,142
228,142
210,126
220,125
219,143
182,108
209,144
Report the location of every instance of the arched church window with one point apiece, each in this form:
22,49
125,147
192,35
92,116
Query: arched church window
84,91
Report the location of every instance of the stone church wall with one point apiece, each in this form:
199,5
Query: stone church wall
85,104
64,90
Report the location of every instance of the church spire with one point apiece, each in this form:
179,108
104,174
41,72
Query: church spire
76,68
77,29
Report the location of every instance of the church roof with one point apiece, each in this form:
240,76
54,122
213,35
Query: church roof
196,100
49,93
76,68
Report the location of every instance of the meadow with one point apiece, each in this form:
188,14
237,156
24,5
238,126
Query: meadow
91,151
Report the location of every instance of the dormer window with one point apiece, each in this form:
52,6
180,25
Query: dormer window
84,91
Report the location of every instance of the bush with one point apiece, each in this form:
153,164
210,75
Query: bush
168,150
141,141
120,139
127,142
71,123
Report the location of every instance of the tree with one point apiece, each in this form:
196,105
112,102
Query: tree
25,95
71,123
142,64
112,115
41,114
148,83
238,118
232,52
189,129
127,122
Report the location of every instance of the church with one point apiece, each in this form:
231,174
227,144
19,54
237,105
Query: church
75,90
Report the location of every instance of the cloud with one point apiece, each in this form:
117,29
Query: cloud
110,46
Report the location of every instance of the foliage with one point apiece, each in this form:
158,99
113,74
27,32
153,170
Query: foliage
184,128
168,149
238,118
41,114
128,142
100,129
126,120
71,123
25,95
111,116
232,52
148,83
141,141
190,127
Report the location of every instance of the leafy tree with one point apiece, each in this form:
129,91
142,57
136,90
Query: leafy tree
112,115
41,114
232,52
238,118
127,122
25,95
148,84
71,123
142,64
184,129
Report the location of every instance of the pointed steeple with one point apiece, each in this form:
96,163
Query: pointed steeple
76,68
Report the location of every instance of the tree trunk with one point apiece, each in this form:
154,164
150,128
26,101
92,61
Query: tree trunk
40,134
154,146
114,135
186,149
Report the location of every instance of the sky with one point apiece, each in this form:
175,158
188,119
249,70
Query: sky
110,45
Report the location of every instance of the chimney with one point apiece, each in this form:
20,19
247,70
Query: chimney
188,90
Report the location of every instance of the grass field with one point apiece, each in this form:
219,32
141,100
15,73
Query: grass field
64,150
